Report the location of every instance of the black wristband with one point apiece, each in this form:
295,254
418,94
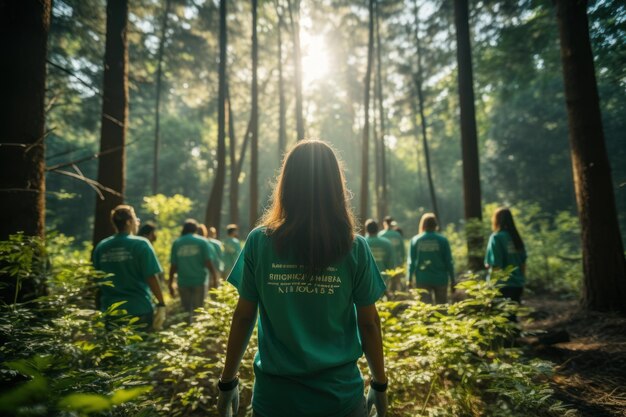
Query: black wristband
227,386
377,386
161,305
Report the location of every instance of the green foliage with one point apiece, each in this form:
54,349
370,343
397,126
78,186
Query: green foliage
60,357
458,360
169,214
552,243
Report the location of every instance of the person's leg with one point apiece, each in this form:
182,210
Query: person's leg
197,299
441,294
425,296
186,294
512,293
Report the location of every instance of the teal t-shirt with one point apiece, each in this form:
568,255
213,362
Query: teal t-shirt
190,253
397,241
430,259
218,249
382,251
501,253
308,338
132,261
232,248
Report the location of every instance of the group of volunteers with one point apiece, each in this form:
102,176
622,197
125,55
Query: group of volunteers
197,260
307,281
430,266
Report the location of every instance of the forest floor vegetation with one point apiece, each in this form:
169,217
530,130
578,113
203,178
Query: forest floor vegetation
589,353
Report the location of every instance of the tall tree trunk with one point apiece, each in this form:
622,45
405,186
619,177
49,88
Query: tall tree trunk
254,114
157,103
234,174
111,170
603,252
377,159
214,207
297,64
419,79
383,204
469,141
363,212
24,27
282,123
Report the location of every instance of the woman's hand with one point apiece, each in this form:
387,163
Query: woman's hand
377,399
228,400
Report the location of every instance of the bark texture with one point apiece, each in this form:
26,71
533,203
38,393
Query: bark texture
469,140
214,206
604,270
364,197
111,170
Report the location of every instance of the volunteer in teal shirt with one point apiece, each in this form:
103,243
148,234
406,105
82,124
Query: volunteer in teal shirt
313,283
192,259
396,240
430,262
134,268
506,249
381,248
232,247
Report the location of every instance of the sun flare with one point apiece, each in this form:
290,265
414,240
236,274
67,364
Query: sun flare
314,58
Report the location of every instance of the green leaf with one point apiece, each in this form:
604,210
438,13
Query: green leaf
85,403
24,393
124,395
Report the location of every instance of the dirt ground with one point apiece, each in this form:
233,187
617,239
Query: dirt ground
589,350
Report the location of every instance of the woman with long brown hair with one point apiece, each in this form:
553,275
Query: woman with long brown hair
506,249
314,283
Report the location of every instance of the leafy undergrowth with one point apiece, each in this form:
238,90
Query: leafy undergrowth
60,357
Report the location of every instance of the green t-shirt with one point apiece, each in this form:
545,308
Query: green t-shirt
308,339
501,253
132,261
397,241
218,249
232,247
430,259
382,251
190,253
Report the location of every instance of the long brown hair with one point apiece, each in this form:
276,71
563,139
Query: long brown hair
310,215
502,219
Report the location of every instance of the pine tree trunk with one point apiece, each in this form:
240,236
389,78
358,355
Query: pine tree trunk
363,212
111,169
214,206
419,79
254,144
157,102
233,212
24,27
383,203
604,269
282,123
469,140
297,64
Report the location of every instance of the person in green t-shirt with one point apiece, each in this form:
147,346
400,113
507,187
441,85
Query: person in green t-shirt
391,233
397,241
134,268
430,261
381,248
191,258
313,283
218,246
506,249
232,248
